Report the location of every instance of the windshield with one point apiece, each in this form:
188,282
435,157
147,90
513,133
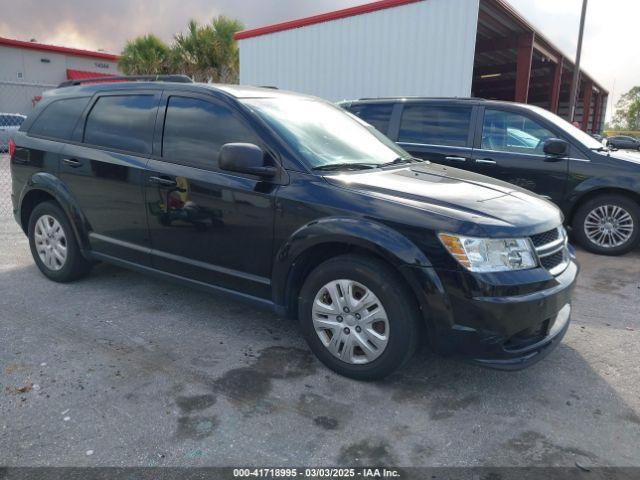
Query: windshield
584,138
324,134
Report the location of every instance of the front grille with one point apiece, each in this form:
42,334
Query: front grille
545,237
551,248
553,260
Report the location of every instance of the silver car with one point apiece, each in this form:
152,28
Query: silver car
9,124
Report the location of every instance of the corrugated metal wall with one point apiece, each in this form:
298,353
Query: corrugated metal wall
424,48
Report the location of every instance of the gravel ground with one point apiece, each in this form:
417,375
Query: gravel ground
123,370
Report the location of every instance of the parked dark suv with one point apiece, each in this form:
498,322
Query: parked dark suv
292,203
623,141
597,190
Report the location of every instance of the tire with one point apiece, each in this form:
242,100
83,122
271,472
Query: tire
74,265
398,308
629,228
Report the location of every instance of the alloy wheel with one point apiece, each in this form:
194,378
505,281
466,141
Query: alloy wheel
608,226
350,321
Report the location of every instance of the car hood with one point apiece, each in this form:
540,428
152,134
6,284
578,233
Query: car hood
499,207
632,157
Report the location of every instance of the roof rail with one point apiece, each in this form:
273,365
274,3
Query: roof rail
409,97
128,78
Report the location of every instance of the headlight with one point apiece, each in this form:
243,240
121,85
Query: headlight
490,254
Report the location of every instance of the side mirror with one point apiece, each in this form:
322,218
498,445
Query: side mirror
556,147
244,158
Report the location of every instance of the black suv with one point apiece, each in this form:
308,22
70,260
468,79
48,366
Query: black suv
623,141
292,203
597,190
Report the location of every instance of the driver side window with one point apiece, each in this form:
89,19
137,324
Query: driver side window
511,132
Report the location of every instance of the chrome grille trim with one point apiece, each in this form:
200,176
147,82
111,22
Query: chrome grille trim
556,246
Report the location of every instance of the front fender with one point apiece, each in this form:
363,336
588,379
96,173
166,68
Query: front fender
355,232
49,183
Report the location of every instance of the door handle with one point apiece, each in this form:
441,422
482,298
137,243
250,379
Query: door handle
485,161
72,162
163,182
456,159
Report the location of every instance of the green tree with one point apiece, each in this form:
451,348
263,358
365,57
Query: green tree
627,114
208,53
193,52
146,55
228,55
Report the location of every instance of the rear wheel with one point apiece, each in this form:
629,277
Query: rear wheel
53,244
608,224
358,317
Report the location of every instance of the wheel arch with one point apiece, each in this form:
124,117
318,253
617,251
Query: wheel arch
596,192
47,187
321,240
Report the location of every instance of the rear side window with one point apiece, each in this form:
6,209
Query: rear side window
122,122
377,115
194,131
435,125
59,118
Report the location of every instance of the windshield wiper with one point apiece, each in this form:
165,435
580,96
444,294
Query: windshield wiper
402,160
600,149
344,166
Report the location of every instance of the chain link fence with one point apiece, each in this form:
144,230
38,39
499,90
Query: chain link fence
17,100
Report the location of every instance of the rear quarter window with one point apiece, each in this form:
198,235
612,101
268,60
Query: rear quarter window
59,118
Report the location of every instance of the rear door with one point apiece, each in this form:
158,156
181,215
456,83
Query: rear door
509,147
206,224
437,132
104,169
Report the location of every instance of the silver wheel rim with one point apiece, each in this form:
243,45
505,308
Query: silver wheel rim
51,242
608,226
350,321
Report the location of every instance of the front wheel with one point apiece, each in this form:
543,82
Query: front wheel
608,224
358,317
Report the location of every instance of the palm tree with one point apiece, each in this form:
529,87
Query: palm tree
209,53
206,53
225,28
194,52
145,55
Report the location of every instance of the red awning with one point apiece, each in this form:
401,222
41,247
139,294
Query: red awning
82,74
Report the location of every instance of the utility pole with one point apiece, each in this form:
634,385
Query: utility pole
576,70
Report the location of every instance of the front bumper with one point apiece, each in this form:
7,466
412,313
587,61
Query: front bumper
517,358
507,322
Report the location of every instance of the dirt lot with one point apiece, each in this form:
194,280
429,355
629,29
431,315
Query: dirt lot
120,369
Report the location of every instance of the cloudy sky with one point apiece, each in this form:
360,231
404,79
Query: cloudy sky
610,52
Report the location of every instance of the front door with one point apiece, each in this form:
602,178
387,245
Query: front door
205,224
511,149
